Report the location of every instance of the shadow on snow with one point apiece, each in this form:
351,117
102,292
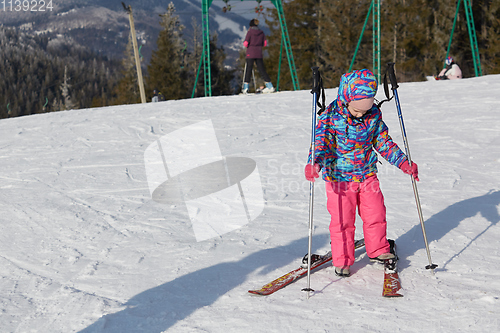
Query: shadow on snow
438,225
159,308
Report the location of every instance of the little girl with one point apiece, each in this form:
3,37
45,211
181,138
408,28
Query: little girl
346,135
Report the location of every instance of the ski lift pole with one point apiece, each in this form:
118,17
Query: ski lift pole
394,84
197,75
315,92
361,36
452,30
279,66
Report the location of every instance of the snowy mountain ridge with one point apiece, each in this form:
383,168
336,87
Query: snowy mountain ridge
103,26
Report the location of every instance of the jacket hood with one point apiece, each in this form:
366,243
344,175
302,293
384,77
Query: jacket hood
256,30
356,85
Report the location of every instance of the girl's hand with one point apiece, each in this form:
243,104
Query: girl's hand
312,172
413,170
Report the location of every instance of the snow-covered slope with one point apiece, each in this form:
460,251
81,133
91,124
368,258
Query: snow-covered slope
84,248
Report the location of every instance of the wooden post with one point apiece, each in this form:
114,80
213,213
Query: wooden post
128,9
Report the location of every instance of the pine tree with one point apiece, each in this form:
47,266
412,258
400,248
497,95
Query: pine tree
302,24
68,104
127,89
341,24
413,44
490,31
193,58
221,77
166,72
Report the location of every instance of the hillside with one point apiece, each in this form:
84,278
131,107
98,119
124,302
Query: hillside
103,26
85,248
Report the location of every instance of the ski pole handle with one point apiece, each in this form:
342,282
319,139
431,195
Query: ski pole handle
392,75
315,92
316,78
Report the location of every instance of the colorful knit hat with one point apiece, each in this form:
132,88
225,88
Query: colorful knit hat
357,85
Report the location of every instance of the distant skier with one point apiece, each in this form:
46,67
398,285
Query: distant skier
451,71
255,40
157,96
347,135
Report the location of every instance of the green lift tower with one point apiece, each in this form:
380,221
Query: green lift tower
205,58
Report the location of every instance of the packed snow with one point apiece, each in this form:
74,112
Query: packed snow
85,248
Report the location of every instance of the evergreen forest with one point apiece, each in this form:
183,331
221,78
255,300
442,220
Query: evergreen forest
414,34
40,74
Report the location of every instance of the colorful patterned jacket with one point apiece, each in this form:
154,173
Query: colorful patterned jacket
345,145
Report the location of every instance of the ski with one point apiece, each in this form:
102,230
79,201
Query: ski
392,284
257,93
290,277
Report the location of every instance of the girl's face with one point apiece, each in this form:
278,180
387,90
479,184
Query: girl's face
356,113
359,107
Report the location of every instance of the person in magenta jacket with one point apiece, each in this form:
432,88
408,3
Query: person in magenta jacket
347,135
254,41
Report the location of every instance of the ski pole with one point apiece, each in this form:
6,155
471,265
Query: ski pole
394,84
254,82
244,73
315,92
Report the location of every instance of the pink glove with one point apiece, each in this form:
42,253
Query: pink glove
413,170
312,172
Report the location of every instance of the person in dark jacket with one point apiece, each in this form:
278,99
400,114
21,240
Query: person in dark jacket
255,40
157,96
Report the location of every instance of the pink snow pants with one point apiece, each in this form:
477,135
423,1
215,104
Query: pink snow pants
342,200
